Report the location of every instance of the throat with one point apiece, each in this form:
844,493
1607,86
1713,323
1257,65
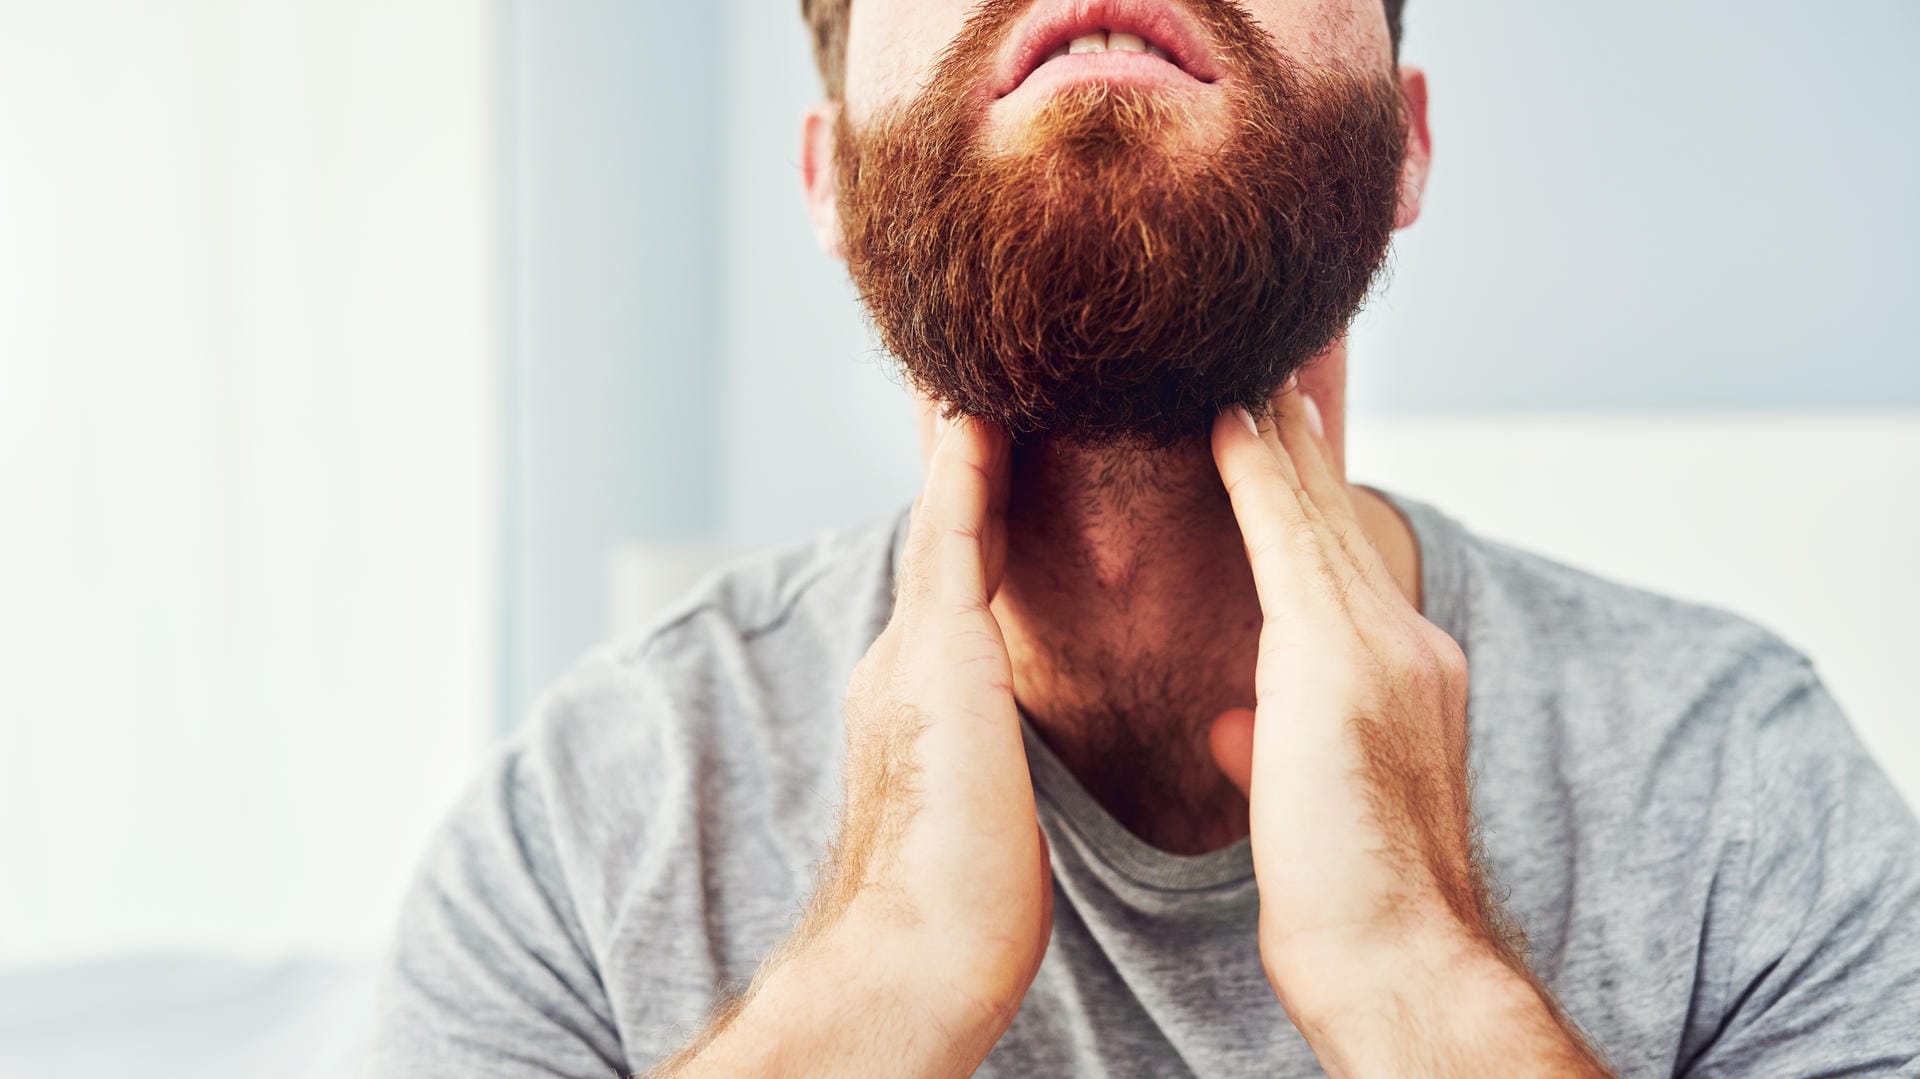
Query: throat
1130,615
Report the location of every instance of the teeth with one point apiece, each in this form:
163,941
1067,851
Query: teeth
1110,41
1094,42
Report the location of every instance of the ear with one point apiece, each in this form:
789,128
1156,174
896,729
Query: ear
817,176
1413,173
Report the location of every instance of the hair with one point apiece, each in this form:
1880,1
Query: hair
827,19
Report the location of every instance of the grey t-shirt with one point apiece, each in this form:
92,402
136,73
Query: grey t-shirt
1714,877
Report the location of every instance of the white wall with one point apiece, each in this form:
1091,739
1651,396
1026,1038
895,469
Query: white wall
247,458
1805,522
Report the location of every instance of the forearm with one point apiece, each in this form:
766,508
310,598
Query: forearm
844,1003
1449,1007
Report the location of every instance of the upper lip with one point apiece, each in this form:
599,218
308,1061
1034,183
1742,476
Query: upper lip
1053,23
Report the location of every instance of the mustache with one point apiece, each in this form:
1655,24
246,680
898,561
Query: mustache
1237,37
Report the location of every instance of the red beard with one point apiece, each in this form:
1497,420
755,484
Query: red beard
1097,283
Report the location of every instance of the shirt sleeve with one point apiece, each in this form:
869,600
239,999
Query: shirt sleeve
1822,976
488,974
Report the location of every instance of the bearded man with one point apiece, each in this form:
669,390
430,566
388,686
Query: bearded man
1140,745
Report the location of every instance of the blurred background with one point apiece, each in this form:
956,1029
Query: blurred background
363,362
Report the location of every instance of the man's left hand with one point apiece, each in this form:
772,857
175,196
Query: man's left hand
1376,925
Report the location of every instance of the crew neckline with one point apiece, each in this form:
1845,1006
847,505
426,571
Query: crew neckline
1148,868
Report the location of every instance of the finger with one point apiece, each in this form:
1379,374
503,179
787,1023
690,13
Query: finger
1307,449
1324,491
965,495
1269,424
1280,539
1231,740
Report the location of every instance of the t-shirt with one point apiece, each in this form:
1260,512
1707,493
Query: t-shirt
1712,874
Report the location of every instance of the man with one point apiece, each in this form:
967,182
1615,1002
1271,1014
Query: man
1140,746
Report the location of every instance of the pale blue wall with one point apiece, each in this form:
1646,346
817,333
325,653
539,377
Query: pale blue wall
1642,204
610,114
818,430
1651,204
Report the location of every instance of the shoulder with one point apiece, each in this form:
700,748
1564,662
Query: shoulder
1638,658
1670,792
688,766
754,643
1613,701
727,709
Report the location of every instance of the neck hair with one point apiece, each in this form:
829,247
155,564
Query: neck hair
1130,614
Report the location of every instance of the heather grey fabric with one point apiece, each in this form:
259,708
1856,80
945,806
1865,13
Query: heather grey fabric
1715,877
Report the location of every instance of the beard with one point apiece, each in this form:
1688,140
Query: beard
1099,278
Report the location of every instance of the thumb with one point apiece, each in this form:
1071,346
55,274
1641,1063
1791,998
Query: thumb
1231,740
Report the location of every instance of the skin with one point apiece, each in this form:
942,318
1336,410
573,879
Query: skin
1276,609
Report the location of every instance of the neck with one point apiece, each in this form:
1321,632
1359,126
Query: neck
1130,615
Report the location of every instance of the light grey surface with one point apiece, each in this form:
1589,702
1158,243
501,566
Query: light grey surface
186,1017
1714,877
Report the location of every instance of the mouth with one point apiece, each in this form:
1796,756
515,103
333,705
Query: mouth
1138,40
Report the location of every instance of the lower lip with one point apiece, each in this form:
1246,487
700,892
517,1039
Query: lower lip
1114,67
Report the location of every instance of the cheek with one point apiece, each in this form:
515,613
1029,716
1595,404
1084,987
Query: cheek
892,48
1346,35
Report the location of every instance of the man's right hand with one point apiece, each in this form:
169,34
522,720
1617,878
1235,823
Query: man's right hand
937,903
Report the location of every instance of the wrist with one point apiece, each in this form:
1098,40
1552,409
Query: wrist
968,991
1319,975
850,999
1433,1001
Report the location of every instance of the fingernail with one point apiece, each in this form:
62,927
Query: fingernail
1246,420
1292,381
1313,417
940,422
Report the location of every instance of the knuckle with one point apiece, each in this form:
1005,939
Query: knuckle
1238,484
913,586
867,686
1340,581
1431,662
922,539
1288,542
967,533
1452,658
981,473
1302,537
1249,475
1398,656
1265,549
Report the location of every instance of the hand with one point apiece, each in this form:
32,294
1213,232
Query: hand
934,911
940,842
1355,765
1355,759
